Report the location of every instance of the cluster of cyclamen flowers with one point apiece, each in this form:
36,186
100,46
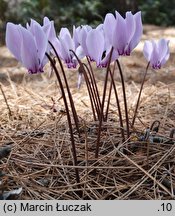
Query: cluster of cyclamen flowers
37,44
30,44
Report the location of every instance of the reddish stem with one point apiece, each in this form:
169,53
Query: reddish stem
90,92
91,96
94,95
139,96
124,98
118,106
102,105
109,96
94,83
68,117
68,91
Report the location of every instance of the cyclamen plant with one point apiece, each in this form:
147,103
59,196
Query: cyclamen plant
157,54
37,44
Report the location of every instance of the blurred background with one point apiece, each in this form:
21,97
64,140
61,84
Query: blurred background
76,12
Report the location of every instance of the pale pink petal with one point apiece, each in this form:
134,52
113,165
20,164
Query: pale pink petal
130,31
109,24
69,43
138,31
100,27
13,39
57,45
63,32
29,54
130,26
120,34
76,32
155,61
147,50
82,37
47,29
41,40
95,45
31,26
46,21
163,49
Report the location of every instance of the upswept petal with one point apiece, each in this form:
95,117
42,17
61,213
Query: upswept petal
46,26
63,32
100,27
64,51
46,21
29,55
138,31
50,29
147,50
119,35
69,43
83,36
41,41
57,45
31,26
130,26
76,32
95,45
108,26
13,39
163,49
155,61
47,29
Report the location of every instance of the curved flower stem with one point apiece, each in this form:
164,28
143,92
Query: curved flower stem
68,91
109,96
90,91
68,117
93,91
118,106
124,98
93,80
91,96
102,105
138,100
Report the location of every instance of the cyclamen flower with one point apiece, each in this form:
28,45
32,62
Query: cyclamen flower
97,49
123,34
27,46
64,46
157,53
80,34
49,29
